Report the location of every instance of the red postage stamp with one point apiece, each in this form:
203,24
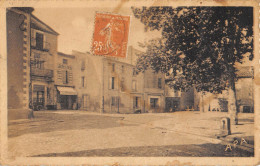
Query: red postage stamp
110,35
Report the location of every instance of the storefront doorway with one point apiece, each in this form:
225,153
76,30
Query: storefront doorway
38,97
67,101
154,105
67,98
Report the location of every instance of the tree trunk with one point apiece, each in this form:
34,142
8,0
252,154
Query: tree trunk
232,103
201,104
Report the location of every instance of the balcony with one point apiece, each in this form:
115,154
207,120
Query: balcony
40,45
41,72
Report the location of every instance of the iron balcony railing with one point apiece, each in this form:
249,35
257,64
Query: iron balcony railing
41,72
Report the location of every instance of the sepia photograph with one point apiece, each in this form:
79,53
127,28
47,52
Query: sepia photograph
132,81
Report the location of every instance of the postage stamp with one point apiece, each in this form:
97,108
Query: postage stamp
111,35
101,82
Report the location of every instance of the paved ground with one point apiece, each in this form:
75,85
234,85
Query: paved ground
79,133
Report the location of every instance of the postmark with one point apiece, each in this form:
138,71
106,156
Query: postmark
110,35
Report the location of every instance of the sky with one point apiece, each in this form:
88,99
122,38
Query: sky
76,26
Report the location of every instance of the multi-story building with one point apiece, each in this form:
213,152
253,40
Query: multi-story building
65,93
82,80
106,84
154,91
43,53
177,100
41,78
31,48
245,89
18,56
244,94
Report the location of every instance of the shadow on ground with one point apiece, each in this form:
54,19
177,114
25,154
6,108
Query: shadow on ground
202,150
49,122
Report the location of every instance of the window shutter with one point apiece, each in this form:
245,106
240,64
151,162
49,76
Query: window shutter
64,77
110,83
33,38
44,45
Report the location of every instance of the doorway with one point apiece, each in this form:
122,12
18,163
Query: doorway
64,102
154,105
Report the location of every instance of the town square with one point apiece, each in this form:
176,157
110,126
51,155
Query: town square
138,82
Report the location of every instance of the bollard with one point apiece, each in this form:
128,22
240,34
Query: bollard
225,126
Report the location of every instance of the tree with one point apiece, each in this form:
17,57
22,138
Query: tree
199,46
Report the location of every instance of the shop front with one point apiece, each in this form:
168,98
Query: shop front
38,97
67,98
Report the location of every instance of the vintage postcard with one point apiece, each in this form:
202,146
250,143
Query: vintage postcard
99,82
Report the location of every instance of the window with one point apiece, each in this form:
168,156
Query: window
39,63
83,81
40,97
153,102
39,41
83,65
123,68
122,85
65,61
112,83
159,83
84,101
66,77
137,102
113,101
134,85
113,67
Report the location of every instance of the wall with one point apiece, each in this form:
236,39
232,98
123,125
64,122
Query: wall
50,44
151,90
48,55
18,51
123,91
61,68
98,73
93,80
245,93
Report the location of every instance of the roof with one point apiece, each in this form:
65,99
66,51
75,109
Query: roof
25,9
36,23
114,60
105,58
245,72
66,55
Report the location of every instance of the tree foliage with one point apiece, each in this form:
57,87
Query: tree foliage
199,45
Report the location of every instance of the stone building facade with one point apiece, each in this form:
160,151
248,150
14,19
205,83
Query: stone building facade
43,53
65,93
113,86
82,82
244,94
18,56
245,89
40,77
31,48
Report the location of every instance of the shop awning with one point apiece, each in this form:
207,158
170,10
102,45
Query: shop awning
67,91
